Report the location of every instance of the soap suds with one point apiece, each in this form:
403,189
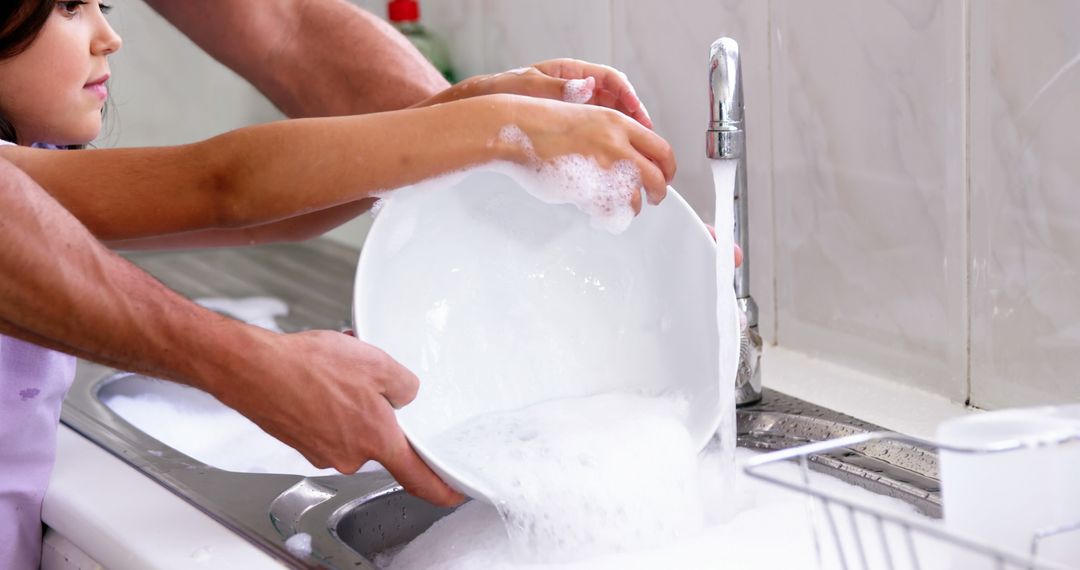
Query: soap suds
299,545
564,490
579,90
770,529
603,194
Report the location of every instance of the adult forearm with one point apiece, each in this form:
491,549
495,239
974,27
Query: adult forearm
61,288
310,57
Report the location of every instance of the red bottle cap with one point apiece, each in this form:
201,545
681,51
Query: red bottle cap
403,10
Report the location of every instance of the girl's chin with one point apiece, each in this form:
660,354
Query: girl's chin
80,137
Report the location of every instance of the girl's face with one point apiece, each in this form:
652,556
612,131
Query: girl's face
54,91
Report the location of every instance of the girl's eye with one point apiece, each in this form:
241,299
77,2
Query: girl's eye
106,8
71,8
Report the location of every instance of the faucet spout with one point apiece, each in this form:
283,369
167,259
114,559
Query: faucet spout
725,139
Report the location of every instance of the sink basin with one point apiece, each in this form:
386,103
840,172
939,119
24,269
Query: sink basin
350,518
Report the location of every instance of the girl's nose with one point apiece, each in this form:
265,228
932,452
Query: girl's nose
106,41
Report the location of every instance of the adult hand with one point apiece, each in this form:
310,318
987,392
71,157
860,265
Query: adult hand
738,250
332,398
556,129
570,80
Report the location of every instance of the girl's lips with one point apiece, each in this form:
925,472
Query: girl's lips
98,89
97,86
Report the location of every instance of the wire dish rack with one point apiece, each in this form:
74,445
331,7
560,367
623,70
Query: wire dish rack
848,534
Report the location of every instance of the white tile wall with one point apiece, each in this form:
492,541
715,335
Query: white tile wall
1025,215
867,152
521,32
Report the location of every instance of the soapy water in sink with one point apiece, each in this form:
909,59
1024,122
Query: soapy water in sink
764,528
564,491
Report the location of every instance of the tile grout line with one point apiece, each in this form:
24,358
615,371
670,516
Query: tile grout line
772,171
966,198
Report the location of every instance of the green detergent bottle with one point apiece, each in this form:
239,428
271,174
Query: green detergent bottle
405,16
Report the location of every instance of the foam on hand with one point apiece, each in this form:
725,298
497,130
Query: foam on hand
579,90
603,194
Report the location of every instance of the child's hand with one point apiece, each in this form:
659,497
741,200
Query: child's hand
569,80
556,129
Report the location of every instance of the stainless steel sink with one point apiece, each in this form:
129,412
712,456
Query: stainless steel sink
350,518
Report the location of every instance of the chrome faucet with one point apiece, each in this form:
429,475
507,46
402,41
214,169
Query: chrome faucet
725,139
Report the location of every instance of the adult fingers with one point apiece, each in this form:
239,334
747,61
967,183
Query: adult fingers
655,148
399,385
418,479
616,83
738,250
611,100
613,89
541,85
626,102
652,179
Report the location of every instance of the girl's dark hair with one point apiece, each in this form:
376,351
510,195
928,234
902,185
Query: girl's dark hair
20,22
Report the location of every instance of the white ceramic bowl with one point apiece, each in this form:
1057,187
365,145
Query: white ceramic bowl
497,300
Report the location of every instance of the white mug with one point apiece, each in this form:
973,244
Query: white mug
1006,499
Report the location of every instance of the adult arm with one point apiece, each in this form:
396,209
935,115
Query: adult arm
59,287
551,79
310,57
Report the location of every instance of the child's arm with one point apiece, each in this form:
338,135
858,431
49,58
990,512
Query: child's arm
312,58
268,173
295,229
